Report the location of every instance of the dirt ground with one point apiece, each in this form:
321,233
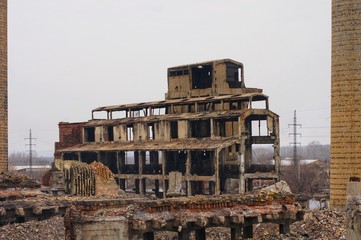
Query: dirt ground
324,224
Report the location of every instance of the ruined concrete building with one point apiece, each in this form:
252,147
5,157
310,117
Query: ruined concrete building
198,140
3,88
345,98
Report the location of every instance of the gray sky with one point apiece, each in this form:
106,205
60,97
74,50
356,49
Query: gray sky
67,57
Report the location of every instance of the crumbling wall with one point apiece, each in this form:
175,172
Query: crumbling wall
3,88
353,227
79,178
104,179
70,134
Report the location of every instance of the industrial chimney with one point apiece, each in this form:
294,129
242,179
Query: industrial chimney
3,88
345,98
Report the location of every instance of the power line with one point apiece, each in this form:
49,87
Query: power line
295,143
30,144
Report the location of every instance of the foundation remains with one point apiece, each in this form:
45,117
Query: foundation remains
141,219
198,140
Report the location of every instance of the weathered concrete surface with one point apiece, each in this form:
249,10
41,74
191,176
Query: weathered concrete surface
3,88
134,218
345,98
105,229
353,211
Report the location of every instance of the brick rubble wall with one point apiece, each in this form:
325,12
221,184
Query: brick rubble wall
70,134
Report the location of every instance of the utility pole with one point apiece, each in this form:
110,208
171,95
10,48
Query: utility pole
295,143
30,144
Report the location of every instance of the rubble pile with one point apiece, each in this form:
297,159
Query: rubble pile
324,224
321,224
52,228
17,180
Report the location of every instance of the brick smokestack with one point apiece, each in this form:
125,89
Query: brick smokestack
345,98
3,88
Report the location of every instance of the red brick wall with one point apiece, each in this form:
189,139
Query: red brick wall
70,134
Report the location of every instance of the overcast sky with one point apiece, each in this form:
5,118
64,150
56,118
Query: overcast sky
67,57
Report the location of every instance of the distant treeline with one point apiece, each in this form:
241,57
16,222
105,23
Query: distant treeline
22,159
313,150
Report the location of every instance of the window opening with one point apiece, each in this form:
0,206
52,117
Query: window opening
110,133
130,133
233,73
202,77
200,128
89,134
174,129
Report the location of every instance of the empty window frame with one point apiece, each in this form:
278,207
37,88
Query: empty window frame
119,114
202,77
178,72
259,128
233,75
100,115
130,133
174,129
200,128
110,133
158,111
89,134
226,127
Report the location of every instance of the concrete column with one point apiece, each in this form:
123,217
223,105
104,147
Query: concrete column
137,163
163,174
236,233
200,234
142,186
242,180
217,189
79,156
121,166
188,173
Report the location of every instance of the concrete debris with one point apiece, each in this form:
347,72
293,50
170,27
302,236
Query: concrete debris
279,187
16,180
52,228
324,224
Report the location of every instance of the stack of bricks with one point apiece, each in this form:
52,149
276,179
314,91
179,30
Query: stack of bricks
3,88
346,98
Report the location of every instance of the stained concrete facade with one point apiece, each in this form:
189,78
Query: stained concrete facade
346,98
3,88
197,141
